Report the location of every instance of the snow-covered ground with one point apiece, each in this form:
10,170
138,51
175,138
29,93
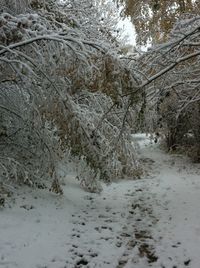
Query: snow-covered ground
151,222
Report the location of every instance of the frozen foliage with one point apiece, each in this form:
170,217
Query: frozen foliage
60,87
169,81
14,6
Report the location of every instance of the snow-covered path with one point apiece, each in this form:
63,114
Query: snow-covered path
152,222
177,191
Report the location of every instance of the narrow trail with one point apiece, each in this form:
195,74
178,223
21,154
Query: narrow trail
152,222
176,187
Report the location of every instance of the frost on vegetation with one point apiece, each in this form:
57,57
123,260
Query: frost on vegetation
169,78
60,91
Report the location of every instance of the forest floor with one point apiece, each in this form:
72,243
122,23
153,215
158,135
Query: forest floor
151,222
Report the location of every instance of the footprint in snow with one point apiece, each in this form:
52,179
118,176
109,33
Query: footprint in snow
84,211
106,228
79,223
75,235
88,197
82,262
109,221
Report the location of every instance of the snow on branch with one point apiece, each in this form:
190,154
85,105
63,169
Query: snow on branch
60,75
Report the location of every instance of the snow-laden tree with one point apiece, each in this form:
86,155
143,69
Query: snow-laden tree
168,79
14,6
61,85
154,19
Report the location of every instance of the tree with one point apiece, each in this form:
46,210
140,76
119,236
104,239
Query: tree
153,20
14,6
168,78
60,87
